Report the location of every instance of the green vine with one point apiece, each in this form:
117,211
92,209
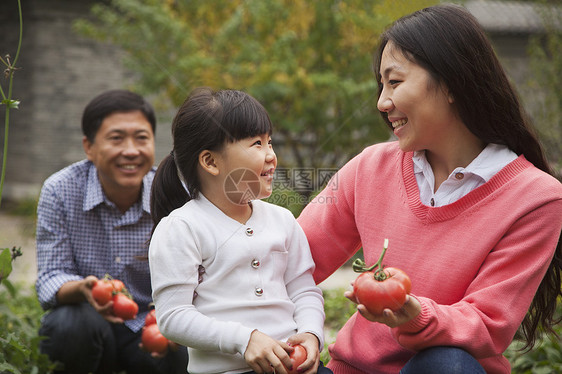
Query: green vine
7,98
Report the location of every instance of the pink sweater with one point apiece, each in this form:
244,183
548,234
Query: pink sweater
475,264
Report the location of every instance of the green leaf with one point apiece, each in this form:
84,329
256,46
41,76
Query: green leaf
13,104
5,263
7,368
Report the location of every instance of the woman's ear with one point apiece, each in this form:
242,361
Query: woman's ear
208,162
450,98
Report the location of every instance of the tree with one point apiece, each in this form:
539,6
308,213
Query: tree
308,62
546,80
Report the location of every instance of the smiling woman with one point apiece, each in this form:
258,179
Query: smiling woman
465,153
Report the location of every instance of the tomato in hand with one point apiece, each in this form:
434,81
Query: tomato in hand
150,318
388,292
124,307
298,356
153,340
381,288
118,285
102,291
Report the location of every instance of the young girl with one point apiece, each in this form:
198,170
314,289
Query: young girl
231,275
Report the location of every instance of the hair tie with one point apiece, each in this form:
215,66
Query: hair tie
172,154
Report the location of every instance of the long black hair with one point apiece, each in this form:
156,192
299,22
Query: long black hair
206,121
450,44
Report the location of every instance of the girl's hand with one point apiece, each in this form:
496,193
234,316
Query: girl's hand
408,312
311,343
264,354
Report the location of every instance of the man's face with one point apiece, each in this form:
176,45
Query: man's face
123,152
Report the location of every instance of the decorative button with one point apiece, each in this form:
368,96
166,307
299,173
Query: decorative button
117,259
255,263
258,291
249,231
432,202
459,176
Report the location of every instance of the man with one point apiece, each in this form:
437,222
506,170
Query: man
94,219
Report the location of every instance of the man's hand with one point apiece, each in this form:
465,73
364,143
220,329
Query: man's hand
74,292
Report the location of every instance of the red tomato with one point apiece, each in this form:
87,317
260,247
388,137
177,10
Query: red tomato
150,318
117,285
298,356
378,295
102,291
153,340
124,307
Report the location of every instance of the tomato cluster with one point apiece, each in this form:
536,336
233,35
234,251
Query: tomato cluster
381,288
152,339
108,289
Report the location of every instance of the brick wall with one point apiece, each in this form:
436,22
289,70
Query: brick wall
60,73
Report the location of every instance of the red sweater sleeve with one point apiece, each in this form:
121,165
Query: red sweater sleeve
329,223
486,318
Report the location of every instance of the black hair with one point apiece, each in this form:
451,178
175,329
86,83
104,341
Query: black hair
114,101
450,44
206,121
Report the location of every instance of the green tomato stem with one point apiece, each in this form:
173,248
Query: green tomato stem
359,265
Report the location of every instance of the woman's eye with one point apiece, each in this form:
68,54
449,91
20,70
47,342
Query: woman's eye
393,82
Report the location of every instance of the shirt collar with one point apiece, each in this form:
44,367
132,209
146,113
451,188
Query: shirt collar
95,196
491,160
94,193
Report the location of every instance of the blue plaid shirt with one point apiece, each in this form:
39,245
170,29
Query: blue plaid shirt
80,233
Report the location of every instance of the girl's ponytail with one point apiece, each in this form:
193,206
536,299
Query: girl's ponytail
168,192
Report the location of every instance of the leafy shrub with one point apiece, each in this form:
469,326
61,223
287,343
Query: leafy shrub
20,316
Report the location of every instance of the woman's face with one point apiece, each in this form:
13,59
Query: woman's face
418,107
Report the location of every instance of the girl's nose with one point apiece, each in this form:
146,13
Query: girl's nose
270,155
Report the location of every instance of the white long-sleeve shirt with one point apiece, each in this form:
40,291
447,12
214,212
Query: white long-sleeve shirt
215,281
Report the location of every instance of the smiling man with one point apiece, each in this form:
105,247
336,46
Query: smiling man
94,219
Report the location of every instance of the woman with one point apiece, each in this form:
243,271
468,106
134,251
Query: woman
464,197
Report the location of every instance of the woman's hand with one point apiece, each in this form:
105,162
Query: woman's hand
311,343
408,312
264,354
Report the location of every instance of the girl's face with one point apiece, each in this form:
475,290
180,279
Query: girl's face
419,108
247,167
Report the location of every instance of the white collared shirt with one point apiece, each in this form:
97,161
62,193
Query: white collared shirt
462,180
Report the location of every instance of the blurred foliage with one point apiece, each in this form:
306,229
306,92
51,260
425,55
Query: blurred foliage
546,81
545,357
20,316
308,62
